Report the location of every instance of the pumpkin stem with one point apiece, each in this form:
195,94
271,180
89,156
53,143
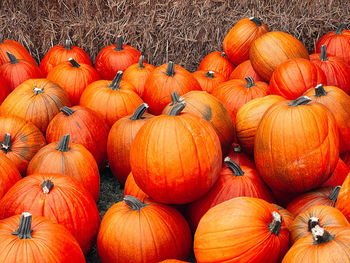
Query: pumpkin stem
275,225
323,56
119,44
235,168
137,115
340,29
68,44
24,230
320,91
302,100
116,81
63,144
237,149
6,144
256,20
320,235
47,185
313,221
177,109
210,74
175,98
334,194
223,55
133,203
250,82
141,60
37,90
67,111
12,58
74,63
170,71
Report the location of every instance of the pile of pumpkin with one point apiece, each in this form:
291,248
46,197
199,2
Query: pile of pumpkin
183,144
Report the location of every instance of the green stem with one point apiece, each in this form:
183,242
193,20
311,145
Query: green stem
68,44
340,29
133,203
6,144
170,69
63,144
74,63
302,100
320,91
223,55
334,194
37,90
138,113
256,20
47,186
67,111
141,61
175,98
24,230
119,44
275,225
210,74
323,56
250,82
234,167
177,109
12,58
116,81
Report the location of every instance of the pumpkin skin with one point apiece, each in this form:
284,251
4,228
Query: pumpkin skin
280,164
190,165
322,196
217,61
208,80
9,174
239,39
73,78
336,70
85,127
208,107
294,77
324,216
163,81
271,49
338,102
69,159
237,92
58,198
248,118
114,58
17,71
37,101
243,70
238,156
48,242
61,53
242,228
346,158
20,141
343,198
120,139
15,48
234,181
131,188
163,233
173,261
137,75
338,176
4,91
110,99
287,216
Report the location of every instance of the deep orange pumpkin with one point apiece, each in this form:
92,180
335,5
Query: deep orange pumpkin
4,91
9,174
208,80
344,197
339,175
240,38
15,48
173,261
131,188
243,70
238,156
217,61
158,231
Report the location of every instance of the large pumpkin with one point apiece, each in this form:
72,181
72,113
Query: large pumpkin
36,100
208,80
288,129
271,49
240,38
243,229
15,48
344,197
243,70
9,174
176,158
158,231
217,61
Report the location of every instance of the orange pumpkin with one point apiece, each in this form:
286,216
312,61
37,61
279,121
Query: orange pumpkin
208,80
243,70
339,175
217,61
15,48
343,198
9,174
131,188
238,156
287,216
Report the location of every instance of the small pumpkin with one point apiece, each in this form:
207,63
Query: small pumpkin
338,176
238,156
208,80
15,48
4,91
131,188
9,174
243,70
343,198
217,61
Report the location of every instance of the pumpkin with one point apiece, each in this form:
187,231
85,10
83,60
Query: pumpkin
339,175
271,49
20,140
287,216
73,78
69,159
343,198
324,216
323,246
9,174
236,92
243,70
248,118
15,48
346,158
37,101
336,70
240,38
280,140
59,198
85,127
131,188
110,99
114,58
17,71
337,42
208,107
137,75
243,229
238,156
322,196
61,53
294,77
159,232
217,61
27,238
234,181
338,102
163,81
208,80
120,139
173,261
4,90
176,158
